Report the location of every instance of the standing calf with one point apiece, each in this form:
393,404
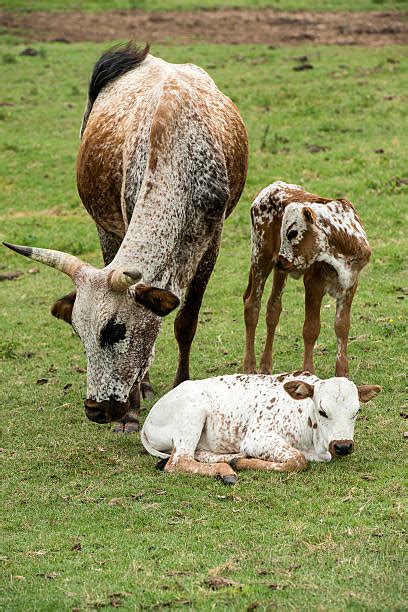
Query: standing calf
211,427
298,233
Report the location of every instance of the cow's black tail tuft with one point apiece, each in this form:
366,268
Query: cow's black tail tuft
115,62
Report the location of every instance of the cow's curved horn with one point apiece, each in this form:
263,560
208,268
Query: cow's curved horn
122,280
59,260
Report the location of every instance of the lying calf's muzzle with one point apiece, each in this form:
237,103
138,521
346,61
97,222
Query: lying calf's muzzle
340,448
106,411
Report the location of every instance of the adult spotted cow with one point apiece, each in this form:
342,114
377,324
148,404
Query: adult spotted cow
162,163
256,422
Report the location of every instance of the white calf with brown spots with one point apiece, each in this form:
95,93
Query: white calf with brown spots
297,233
214,426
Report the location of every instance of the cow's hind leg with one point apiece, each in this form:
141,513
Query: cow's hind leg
185,324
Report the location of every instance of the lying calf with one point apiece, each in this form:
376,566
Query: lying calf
258,422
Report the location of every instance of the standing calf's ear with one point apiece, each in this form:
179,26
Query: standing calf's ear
159,301
309,215
62,309
367,392
298,389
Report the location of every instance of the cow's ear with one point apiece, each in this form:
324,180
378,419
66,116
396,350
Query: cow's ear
309,215
367,392
62,309
298,389
160,301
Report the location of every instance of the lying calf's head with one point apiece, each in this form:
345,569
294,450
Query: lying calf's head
336,404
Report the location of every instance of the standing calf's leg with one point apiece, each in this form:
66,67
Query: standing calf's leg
273,311
342,328
314,291
258,274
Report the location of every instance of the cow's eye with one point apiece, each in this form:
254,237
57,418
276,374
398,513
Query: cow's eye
322,412
292,234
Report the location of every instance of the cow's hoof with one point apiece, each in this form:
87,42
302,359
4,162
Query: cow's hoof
229,480
146,390
129,424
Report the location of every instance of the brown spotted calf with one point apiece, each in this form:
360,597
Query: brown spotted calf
295,232
239,422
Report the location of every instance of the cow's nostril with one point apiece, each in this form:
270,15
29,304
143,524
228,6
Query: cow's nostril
343,449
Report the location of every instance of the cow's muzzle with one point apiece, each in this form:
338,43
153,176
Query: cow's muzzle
340,448
106,411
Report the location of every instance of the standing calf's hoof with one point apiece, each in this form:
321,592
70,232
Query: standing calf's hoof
229,480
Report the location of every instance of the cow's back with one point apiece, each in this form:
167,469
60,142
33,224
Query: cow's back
117,141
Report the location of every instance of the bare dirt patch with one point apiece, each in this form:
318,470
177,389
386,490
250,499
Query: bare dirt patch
227,26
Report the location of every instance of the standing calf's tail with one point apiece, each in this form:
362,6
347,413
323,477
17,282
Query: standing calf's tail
114,63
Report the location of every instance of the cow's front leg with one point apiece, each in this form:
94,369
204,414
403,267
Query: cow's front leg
314,292
185,324
130,422
146,388
342,328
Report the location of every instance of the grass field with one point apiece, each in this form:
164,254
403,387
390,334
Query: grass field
88,522
166,5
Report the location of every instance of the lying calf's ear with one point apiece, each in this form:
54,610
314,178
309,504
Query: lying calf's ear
298,389
62,309
367,392
160,301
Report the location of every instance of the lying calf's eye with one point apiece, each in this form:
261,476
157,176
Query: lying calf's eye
292,234
322,412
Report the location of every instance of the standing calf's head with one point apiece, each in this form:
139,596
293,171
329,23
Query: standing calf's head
117,319
336,402
301,240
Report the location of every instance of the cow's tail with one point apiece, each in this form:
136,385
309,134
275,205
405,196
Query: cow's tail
115,62
153,451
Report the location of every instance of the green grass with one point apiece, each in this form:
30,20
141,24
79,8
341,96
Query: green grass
88,522
167,5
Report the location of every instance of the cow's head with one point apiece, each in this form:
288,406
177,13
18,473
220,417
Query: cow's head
336,402
117,319
301,239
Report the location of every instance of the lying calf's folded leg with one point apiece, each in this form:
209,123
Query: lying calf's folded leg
184,463
206,456
269,451
251,463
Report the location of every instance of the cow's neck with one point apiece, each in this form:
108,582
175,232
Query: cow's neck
152,240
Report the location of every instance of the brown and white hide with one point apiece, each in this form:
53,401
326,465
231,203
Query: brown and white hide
297,233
